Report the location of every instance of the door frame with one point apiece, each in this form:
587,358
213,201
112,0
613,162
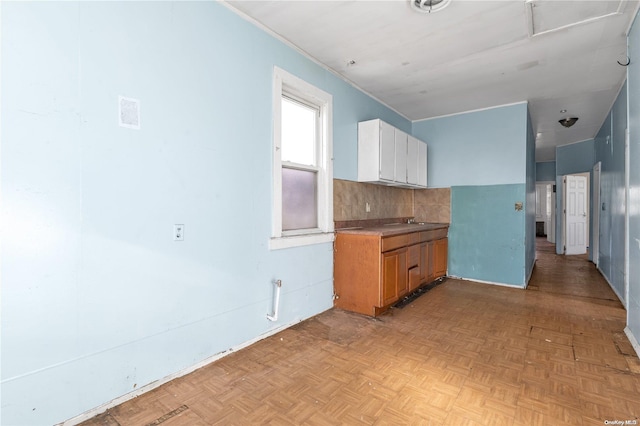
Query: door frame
627,163
551,235
596,206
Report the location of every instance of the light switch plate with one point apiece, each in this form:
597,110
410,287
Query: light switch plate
129,112
178,232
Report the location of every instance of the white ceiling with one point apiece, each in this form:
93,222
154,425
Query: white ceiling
473,54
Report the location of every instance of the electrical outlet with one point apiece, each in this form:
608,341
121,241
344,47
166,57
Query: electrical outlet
178,232
367,207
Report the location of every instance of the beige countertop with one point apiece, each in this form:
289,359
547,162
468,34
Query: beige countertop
393,229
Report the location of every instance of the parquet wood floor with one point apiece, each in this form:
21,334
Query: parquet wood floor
462,354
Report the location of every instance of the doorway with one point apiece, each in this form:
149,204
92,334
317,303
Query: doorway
576,213
545,210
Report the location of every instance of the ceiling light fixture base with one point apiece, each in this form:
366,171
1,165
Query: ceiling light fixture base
428,6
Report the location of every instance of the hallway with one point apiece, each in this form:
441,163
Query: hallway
461,354
571,276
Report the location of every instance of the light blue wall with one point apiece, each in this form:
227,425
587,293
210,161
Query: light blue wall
575,158
570,159
484,156
97,299
546,171
476,148
610,151
487,234
633,81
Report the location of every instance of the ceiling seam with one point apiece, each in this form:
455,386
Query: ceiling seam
471,110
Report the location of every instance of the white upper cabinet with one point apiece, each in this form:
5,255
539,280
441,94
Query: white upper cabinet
413,162
389,156
386,157
422,164
401,156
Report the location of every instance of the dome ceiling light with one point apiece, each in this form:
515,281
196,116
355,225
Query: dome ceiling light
568,122
428,6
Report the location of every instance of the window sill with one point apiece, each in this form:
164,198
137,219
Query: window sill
278,243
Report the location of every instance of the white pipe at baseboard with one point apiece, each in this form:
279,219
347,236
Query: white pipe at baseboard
274,317
632,339
486,282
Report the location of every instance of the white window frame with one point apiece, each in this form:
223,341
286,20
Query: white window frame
285,83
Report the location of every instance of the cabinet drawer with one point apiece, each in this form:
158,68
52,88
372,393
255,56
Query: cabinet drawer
414,238
392,243
435,234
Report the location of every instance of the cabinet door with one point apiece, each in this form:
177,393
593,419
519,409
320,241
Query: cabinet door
413,159
422,164
423,262
403,280
414,278
401,156
387,151
389,278
440,257
426,267
394,276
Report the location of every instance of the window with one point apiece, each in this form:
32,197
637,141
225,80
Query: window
302,163
298,146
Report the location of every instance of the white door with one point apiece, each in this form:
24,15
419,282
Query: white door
576,215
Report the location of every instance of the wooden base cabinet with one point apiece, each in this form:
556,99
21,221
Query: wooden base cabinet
440,257
426,262
371,272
